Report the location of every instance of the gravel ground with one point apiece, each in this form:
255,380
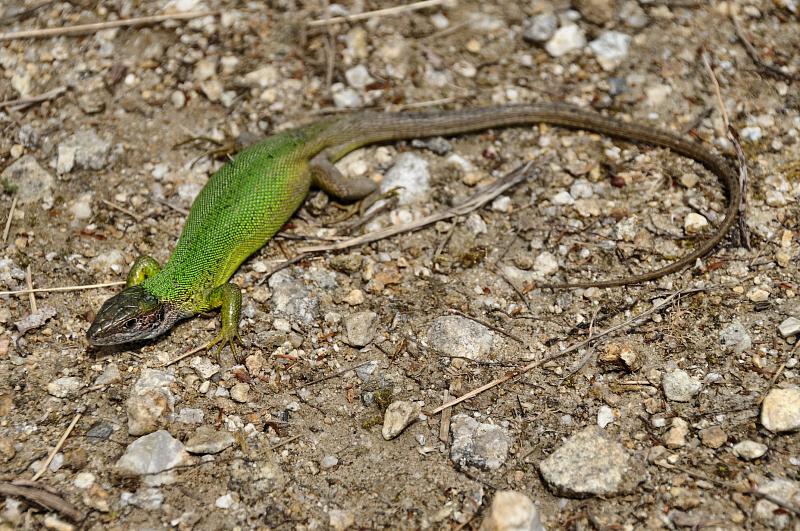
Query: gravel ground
686,418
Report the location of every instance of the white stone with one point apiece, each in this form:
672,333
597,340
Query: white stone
780,410
610,49
565,39
789,327
694,223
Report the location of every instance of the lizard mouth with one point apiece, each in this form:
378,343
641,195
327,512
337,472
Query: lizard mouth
129,316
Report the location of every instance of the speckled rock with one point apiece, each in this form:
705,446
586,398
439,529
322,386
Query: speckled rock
207,440
151,454
397,417
478,444
360,328
591,464
458,336
151,402
679,386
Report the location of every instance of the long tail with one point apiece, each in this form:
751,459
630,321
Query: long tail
346,134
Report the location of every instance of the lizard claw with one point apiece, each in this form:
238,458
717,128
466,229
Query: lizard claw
220,341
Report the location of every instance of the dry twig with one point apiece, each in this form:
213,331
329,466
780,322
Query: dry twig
389,11
8,221
82,29
762,65
733,136
20,103
63,288
41,497
627,324
57,447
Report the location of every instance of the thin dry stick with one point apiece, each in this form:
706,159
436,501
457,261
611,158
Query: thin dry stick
742,160
487,325
756,58
62,288
42,498
444,425
478,200
334,375
57,448
29,282
121,209
8,221
573,348
397,10
19,103
184,356
100,26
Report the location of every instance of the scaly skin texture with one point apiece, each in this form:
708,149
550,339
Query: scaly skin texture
248,200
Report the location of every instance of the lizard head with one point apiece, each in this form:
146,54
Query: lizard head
133,314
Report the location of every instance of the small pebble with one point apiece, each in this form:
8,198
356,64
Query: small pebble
478,444
780,410
566,39
240,392
398,416
679,386
512,511
749,450
676,436
540,28
329,461
590,463
713,437
789,327
694,223
758,295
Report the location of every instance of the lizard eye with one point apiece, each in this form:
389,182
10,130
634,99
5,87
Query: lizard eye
130,323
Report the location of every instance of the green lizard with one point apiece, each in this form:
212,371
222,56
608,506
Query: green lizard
248,200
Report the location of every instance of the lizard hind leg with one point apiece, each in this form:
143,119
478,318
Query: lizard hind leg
143,268
325,176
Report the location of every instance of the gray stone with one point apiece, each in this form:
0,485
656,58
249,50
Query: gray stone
207,440
360,328
190,416
291,297
735,337
540,28
749,450
35,320
31,182
590,464
398,416
512,511
145,498
610,49
365,372
679,386
83,150
410,175
100,431
780,410
789,327
151,402
770,513
329,461
437,144
204,367
240,392
345,97
566,39
457,336
152,454
110,375
358,77
477,444
65,386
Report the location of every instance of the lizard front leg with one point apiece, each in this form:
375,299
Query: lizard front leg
143,268
228,298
